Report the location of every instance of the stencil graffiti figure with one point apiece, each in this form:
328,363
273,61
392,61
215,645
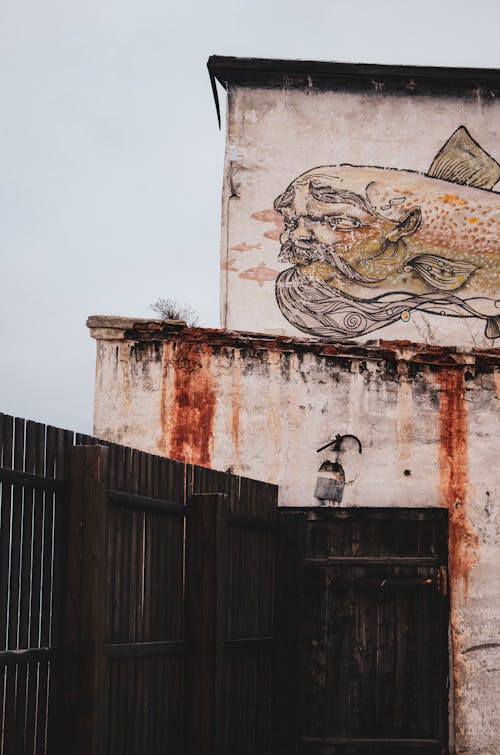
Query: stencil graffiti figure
370,245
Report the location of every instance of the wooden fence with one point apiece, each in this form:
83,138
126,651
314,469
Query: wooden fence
137,601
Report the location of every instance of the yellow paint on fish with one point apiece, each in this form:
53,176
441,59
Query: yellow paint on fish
375,237
446,229
452,199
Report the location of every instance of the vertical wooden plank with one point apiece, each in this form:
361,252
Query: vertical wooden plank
109,552
146,488
132,581
120,723
147,588
147,673
129,721
38,542
159,698
13,738
85,667
167,486
6,426
64,445
110,598
205,611
221,612
52,631
27,532
44,677
5,522
125,516
444,681
73,602
15,564
117,548
291,554
25,584
136,607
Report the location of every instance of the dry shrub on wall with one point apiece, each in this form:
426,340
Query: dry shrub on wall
169,309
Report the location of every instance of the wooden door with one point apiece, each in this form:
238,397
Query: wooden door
374,632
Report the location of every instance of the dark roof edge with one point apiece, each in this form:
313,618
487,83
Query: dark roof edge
409,80
229,70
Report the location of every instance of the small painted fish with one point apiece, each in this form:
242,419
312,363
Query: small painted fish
229,265
260,274
244,247
270,216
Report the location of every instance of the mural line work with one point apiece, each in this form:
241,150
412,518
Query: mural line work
369,245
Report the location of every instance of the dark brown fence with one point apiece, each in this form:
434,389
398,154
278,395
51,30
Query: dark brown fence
34,494
137,610
232,620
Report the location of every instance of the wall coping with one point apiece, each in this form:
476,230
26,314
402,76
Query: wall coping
113,328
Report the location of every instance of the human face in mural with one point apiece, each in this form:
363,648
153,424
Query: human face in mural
367,246
338,228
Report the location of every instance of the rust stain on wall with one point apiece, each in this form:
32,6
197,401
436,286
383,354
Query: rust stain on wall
463,541
187,418
453,472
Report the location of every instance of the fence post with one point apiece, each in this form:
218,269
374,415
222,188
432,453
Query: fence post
85,611
290,579
206,581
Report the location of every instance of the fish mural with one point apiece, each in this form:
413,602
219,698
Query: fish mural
270,216
228,265
370,245
260,274
244,247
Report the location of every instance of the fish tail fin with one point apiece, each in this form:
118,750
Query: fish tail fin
492,329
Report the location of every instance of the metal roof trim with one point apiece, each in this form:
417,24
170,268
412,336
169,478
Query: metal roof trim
227,70
396,79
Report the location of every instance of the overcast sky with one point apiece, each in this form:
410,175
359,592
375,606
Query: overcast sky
111,160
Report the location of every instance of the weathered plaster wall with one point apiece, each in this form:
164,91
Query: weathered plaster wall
277,134
427,419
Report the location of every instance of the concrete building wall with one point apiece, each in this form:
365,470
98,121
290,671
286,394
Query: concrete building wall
426,417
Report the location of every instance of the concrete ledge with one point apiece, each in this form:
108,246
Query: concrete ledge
115,328
108,327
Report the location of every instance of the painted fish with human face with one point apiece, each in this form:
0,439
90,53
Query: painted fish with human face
368,245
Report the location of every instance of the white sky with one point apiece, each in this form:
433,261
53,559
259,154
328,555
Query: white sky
111,160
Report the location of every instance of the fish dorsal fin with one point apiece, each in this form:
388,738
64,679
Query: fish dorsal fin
463,161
